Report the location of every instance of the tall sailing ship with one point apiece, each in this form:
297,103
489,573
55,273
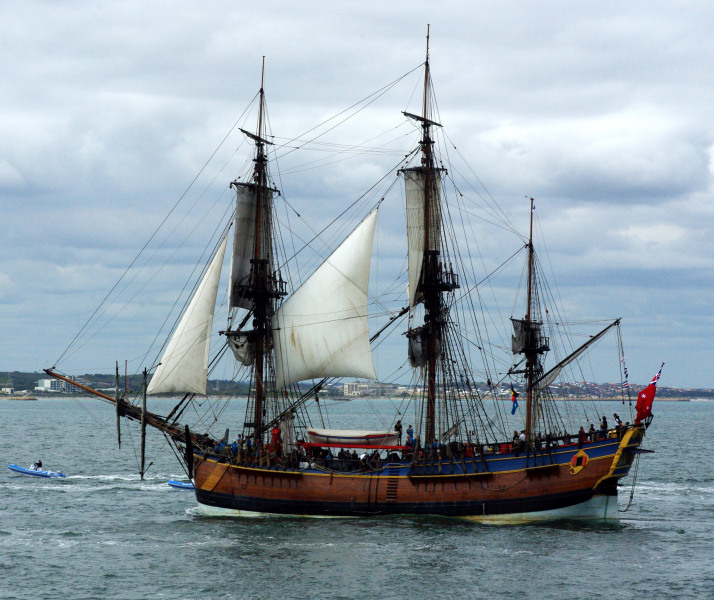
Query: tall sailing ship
460,459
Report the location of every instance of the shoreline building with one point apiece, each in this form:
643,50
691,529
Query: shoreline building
56,386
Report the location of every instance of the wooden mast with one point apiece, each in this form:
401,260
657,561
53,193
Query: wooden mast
262,288
434,281
430,300
531,341
259,272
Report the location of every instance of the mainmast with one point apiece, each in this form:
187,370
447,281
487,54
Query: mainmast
431,280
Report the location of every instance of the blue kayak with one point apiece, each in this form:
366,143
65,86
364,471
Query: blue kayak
181,485
25,471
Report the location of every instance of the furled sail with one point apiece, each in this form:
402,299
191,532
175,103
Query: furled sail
526,334
184,365
322,330
536,412
414,189
242,349
418,339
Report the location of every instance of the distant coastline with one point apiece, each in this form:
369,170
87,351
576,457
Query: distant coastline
24,384
67,396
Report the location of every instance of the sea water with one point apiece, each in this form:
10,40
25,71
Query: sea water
103,533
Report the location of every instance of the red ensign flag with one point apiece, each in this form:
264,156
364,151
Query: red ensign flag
644,403
646,398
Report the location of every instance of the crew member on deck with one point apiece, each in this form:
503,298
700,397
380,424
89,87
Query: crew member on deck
275,438
36,466
603,428
592,432
581,437
618,424
398,429
517,444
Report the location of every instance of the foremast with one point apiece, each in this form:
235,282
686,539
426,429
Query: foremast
254,283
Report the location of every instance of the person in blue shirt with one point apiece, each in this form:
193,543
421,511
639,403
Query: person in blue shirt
603,428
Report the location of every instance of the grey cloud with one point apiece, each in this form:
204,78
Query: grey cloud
602,112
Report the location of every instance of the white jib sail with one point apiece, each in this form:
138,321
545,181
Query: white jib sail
322,330
184,365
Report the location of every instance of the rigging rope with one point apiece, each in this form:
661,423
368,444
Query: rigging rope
156,231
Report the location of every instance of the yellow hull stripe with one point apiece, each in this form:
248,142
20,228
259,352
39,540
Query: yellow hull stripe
616,459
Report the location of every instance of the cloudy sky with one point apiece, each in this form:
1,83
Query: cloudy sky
602,112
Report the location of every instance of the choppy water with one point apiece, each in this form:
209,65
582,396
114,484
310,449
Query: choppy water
102,533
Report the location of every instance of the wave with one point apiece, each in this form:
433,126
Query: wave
672,487
160,477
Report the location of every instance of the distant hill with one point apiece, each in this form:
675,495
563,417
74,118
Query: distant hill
101,381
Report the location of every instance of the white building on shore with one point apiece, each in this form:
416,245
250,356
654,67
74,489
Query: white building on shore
56,386
355,388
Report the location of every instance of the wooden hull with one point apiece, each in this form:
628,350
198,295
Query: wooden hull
491,488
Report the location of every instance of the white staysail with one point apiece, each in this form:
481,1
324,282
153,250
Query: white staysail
184,366
322,330
414,189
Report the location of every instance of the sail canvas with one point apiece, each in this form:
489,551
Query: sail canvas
322,330
184,366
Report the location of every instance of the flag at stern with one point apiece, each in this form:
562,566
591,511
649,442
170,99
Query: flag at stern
646,398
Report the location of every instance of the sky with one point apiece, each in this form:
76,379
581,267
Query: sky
603,112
